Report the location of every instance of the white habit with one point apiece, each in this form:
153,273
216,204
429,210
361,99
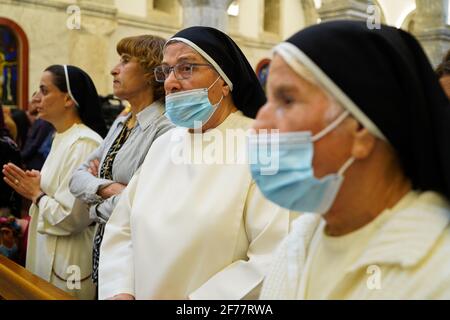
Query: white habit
60,238
402,254
198,231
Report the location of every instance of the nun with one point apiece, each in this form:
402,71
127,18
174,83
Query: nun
100,180
192,224
364,150
60,231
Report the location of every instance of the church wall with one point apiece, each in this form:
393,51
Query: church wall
45,27
93,46
105,22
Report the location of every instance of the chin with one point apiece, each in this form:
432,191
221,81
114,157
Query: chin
118,94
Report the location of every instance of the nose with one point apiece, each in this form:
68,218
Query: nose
115,70
171,84
265,119
37,100
37,97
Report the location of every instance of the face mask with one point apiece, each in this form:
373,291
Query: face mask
8,252
191,108
294,186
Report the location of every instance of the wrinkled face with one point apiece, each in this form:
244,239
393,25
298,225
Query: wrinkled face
445,83
294,104
202,76
52,102
130,78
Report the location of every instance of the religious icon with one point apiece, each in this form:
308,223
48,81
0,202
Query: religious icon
8,66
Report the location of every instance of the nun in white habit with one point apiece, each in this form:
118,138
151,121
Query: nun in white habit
367,156
60,232
191,225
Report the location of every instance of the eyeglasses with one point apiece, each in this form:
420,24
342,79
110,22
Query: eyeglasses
182,71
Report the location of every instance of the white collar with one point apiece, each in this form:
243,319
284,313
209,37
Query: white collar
409,234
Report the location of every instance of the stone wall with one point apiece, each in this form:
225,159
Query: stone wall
105,22
92,47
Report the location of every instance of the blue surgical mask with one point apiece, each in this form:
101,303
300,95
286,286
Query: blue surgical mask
191,108
8,252
292,184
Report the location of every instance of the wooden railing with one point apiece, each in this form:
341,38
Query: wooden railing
16,283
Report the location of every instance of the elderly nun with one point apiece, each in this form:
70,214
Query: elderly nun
192,224
364,144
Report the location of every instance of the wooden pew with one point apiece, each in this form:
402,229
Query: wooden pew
17,283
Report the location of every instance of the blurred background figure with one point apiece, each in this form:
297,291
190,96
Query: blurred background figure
23,125
443,72
34,151
9,123
112,107
9,200
9,152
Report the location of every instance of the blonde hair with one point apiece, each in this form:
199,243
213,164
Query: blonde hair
148,49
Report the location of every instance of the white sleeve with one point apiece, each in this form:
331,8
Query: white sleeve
266,226
116,265
60,214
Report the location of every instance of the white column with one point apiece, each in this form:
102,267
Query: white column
250,18
431,28
345,9
212,13
294,17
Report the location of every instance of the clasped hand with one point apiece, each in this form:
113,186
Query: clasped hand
26,183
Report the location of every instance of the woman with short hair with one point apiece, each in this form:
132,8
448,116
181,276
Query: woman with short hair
100,180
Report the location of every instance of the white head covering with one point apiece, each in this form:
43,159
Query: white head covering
66,73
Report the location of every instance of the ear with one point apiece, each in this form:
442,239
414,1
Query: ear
363,143
225,89
68,102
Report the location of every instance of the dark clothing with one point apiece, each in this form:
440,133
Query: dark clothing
31,155
23,125
9,152
106,172
47,144
82,90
